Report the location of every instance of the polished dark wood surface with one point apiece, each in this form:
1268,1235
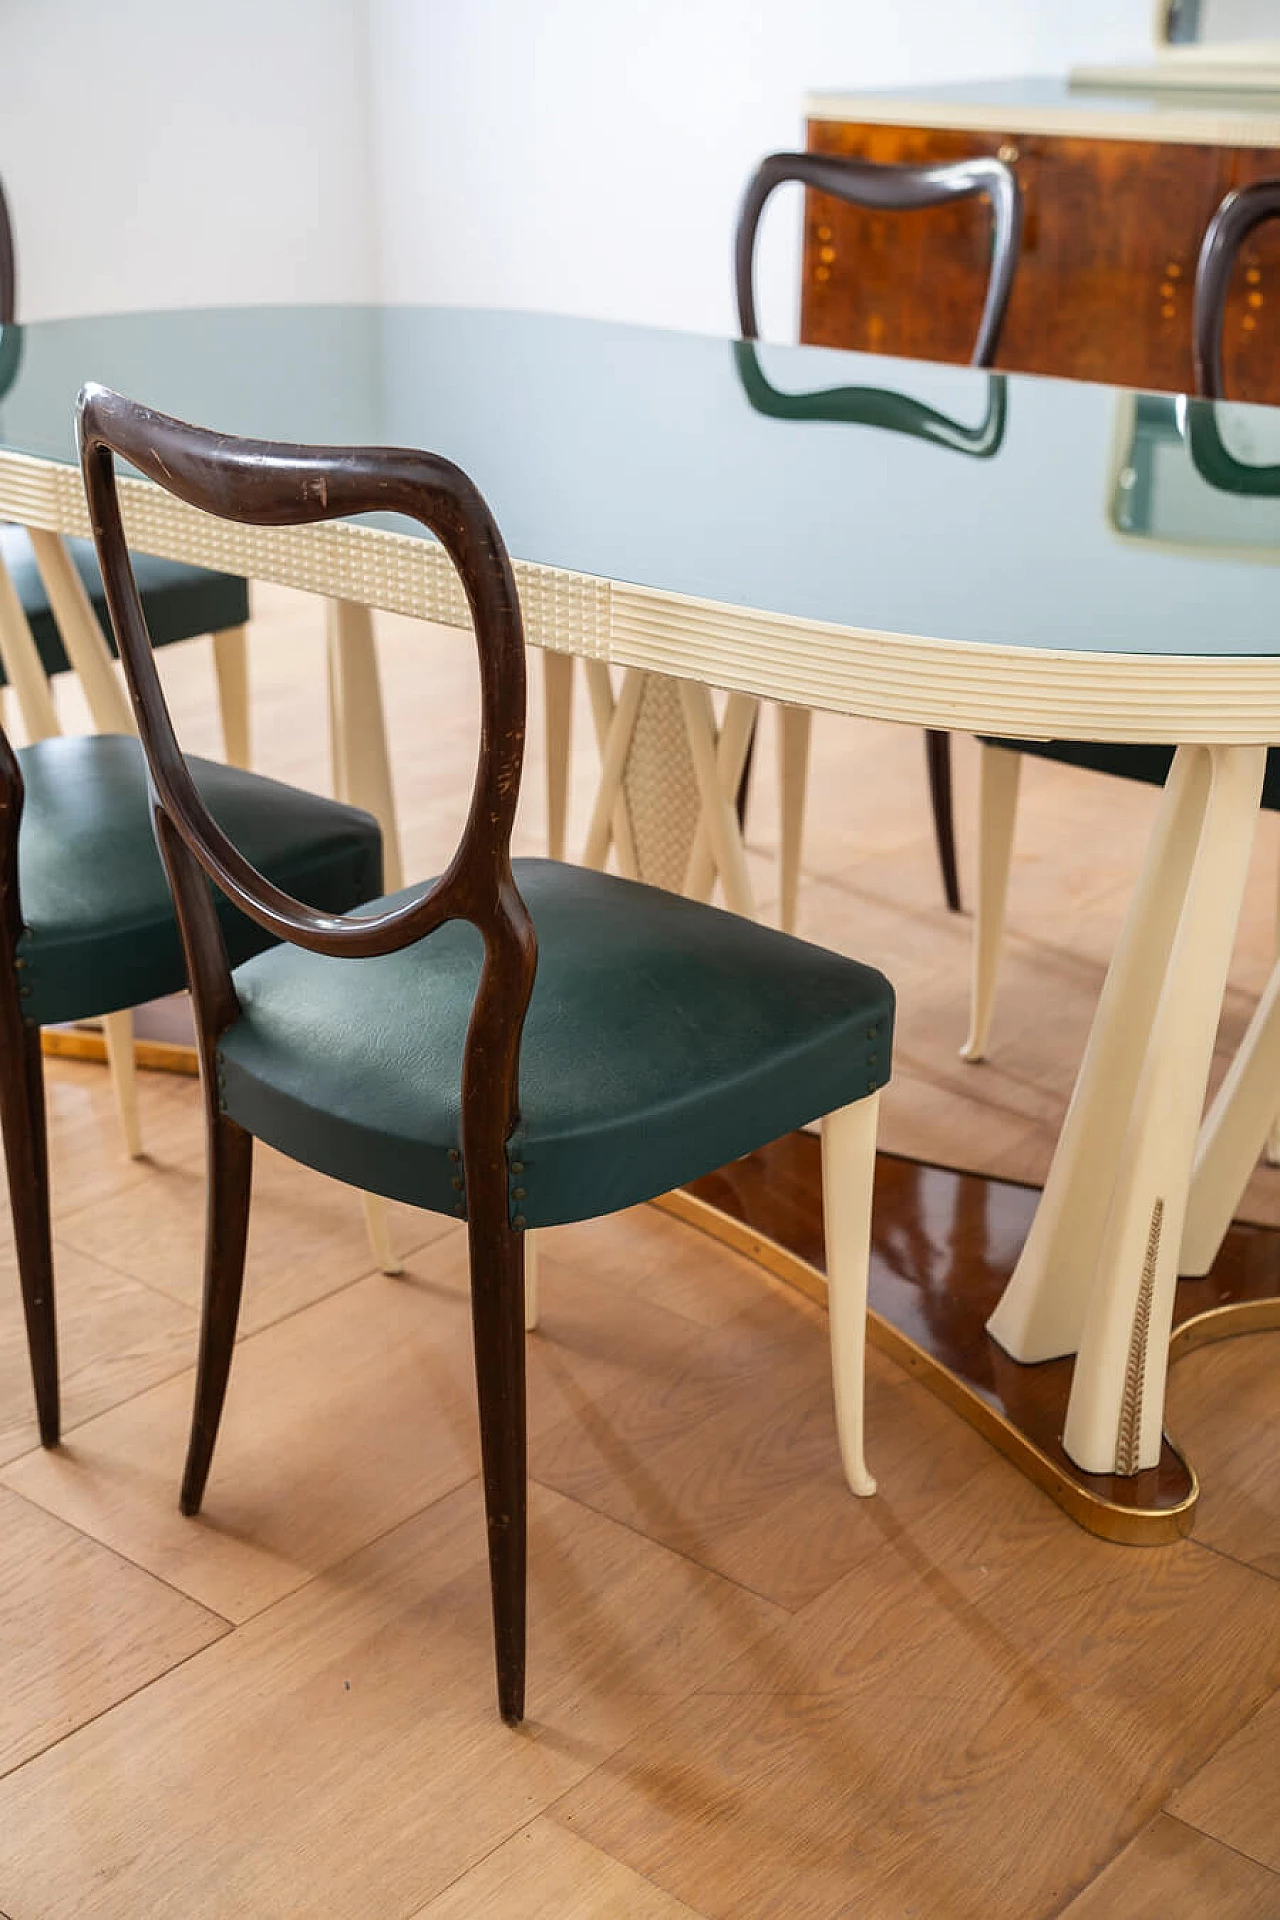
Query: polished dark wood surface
1111,234
943,1247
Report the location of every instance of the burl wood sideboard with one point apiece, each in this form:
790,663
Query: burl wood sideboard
1117,192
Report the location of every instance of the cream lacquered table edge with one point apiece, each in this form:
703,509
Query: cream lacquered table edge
1096,1277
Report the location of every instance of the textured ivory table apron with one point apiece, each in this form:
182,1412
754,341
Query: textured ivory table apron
838,532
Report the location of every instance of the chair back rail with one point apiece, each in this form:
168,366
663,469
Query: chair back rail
869,183
1237,216
264,483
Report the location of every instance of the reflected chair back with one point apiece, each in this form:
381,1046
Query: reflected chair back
1237,217
868,183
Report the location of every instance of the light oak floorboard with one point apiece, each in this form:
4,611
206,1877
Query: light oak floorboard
1236,1797
80,1629
951,1696
341,1754
116,1338
728,1452
991,1687
1171,1872
1224,1410
341,1421
546,1873
307,1235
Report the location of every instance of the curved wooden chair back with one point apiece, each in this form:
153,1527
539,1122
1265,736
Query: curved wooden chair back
869,183
1236,218
262,483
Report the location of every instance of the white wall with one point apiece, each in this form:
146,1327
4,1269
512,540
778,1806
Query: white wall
160,153
588,155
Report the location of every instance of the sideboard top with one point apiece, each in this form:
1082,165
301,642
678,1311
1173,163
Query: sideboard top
1049,105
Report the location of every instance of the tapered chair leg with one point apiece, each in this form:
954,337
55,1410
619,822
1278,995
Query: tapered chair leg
938,755
377,1221
531,1263
497,1309
229,1160
848,1174
22,1118
117,1033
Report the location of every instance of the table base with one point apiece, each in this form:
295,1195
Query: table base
943,1246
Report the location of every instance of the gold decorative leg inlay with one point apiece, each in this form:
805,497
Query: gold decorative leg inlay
1129,1435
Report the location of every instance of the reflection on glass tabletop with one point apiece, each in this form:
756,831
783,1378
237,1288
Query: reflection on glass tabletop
642,456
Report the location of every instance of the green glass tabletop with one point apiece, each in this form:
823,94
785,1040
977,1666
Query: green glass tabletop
855,489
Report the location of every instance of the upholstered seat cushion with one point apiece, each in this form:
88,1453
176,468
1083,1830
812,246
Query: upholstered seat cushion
180,601
663,1039
100,931
1126,761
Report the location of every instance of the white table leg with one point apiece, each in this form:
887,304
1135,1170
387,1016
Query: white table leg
557,735
22,664
795,726
999,772
82,637
1235,1127
731,756
603,707
718,820
231,671
362,773
1116,1411
1041,1313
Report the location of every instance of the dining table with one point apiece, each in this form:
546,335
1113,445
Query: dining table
708,524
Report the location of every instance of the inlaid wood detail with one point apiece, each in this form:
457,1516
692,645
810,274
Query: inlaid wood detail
1103,288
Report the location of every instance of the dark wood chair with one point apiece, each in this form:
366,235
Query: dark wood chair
87,926
518,1045
1001,760
895,189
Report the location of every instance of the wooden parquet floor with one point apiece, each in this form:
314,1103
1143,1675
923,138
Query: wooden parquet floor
750,1695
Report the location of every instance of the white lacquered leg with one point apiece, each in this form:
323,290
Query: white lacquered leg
848,1171
718,819
557,695
1235,1126
377,1220
1041,1312
117,1032
600,693
364,767
998,774
22,665
740,715
1116,1411
1273,1137
614,749
795,726
231,669
531,1250
87,650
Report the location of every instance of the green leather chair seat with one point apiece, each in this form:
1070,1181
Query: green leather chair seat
179,601
1126,761
664,1038
100,933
